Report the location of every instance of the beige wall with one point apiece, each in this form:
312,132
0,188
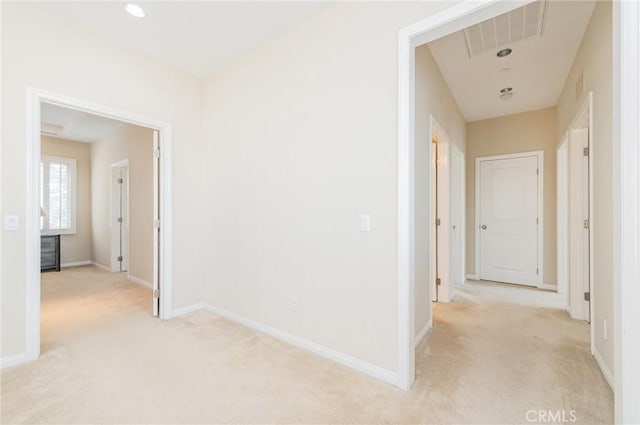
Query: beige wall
76,247
594,59
301,138
527,131
432,98
136,145
42,52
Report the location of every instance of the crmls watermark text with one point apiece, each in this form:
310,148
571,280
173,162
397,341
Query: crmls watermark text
554,416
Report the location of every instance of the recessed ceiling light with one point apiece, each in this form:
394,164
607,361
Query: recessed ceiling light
506,90
506,96
504,52
134,10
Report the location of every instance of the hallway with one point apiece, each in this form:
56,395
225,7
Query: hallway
106,360
497,361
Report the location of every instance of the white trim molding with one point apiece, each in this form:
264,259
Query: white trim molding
13,360
608,375
472,277
76,264
626,209
139,281
34,98
177,312
101,266
423,332
313,347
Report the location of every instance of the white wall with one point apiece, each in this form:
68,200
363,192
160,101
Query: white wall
135,144
42,52
301,138
594,59
432,98
75,247
523,132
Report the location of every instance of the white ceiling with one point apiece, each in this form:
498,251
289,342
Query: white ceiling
197,37
76,125
539,65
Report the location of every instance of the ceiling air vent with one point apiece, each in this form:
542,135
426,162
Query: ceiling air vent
523,22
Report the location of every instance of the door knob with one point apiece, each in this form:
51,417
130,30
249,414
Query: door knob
484,226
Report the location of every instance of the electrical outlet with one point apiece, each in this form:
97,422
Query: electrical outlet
294,304
604,329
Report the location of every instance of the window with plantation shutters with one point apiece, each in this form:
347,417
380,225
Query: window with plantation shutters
57,195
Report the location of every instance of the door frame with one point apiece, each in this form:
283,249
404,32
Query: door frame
439,24
626,186
562,207
440,258
582,119
34,98
626,209
540,251
458,154
113,263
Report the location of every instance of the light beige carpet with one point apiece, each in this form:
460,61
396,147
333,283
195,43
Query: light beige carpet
105,360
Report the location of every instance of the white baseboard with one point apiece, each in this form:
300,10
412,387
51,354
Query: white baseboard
423,333
13,360
76,264
139,281
177,312
473,277
100,266
548,287
322,351
604,368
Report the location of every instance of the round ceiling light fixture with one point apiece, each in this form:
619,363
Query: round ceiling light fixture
504,52
506,96
506,90
135,10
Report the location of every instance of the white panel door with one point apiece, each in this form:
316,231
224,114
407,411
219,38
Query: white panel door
509,220
579,224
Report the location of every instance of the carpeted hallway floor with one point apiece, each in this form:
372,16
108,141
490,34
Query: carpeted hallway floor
106,360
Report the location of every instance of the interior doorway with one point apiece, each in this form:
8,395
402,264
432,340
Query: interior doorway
162,198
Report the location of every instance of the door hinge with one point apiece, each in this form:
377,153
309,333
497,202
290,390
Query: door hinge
537,171
156,223
437,222
156,153
587,296
120,180
586,223
120,258
585,151
537,271
156,293
438,281
537,221
119,219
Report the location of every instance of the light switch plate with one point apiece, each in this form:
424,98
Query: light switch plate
11,223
